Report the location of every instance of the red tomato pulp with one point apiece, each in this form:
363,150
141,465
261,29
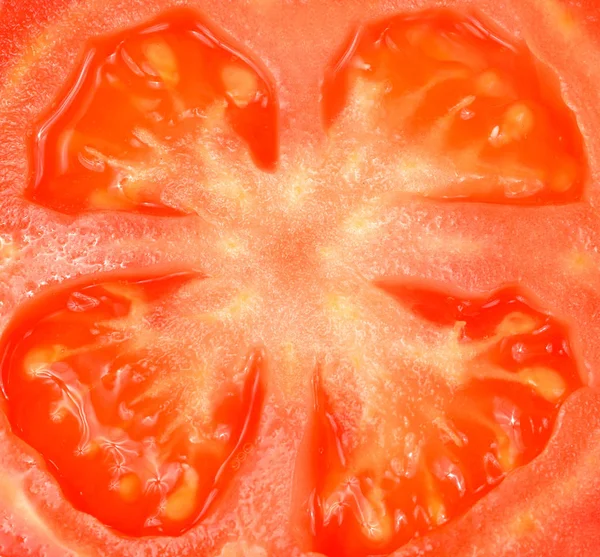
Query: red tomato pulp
299,278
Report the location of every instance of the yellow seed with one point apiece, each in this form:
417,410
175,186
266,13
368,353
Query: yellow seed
92,449
241,84
130,292
369,508
106,199
516,323
517,123
563,178
130,487
547,383
507,455
163,60
490,84
378,525
144,105
39,359
182,502
435,507
436,510
8,250
135,191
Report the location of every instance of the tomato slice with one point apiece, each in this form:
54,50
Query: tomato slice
94,382
141,405
373,491
143,105
458,97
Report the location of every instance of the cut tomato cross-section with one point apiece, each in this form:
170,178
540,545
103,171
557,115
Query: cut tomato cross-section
320,193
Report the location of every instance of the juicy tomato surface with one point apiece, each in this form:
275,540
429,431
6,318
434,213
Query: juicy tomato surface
299,278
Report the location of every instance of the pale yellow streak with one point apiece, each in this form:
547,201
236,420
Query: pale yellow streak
548,383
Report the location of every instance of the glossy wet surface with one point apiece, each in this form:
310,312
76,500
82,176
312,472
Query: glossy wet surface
423,466
92,378
423,400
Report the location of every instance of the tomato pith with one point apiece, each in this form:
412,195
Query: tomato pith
79,379
310,279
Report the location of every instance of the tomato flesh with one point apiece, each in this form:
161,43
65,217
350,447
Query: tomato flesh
500,418
464,94
143,103
122,449
148,403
